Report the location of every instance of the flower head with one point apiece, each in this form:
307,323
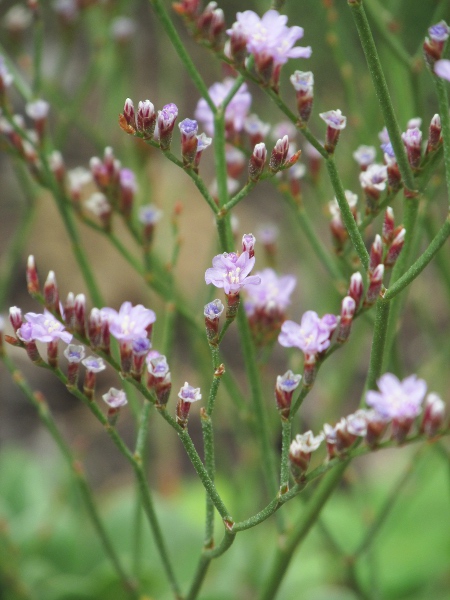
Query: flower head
130,323
396,399
273,293
149,214
74,353
269,36
115,398
311,336
94,364
365,155
334,119
43,328
230,271
189,394
236,111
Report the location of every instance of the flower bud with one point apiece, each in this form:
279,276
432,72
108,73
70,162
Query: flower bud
51,294
149,215
115,399
376,253
433,416
128,113
284,390
187,395
32,276
203,142
303,83
257,161
255,129
396,248
388,226
158,379
15,318
348,309
356,288
376,426
166,122
95,327
279,154
189,141
146,119
80,314
336,122
248,244
412,139
212,313
434,134
140,348
375,283
217,29
238,43
128,189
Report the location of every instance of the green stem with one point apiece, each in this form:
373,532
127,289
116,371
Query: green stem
381,90
191,69
307,519
75,468
420,264
445,123
411,207
219,156
208,443
347,217
378,343
286,428
243,193
204,563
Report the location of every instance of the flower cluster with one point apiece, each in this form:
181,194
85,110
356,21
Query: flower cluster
269,40
266,304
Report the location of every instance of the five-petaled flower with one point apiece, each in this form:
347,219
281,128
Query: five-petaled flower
130,323
230,271
397,399
42,328
311,336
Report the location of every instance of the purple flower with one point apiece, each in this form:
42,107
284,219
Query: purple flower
149,214
236,111
189,394
130,323
43,328
364,155
442,69
273,293
213,310
269,36
374,178
188,128
74,353
399,400
115,398
94,364
334,119
158,366
231,272
439,32
311,336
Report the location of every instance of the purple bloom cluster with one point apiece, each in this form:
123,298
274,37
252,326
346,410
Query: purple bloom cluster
397,399
130,323
42,328
311,336
236,111
269,36
272,295
231,272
